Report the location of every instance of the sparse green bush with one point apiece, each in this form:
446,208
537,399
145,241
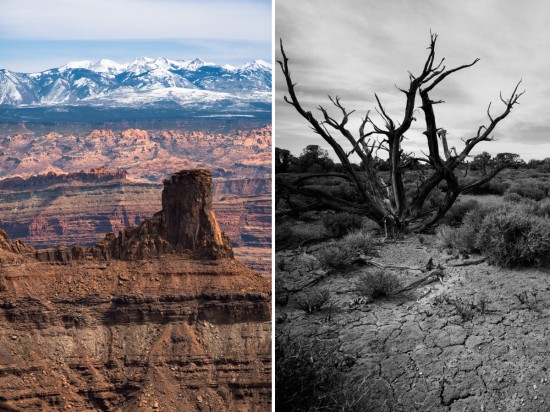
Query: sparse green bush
512,197
313,301
455,215
513,238
339,224
335,257
377,284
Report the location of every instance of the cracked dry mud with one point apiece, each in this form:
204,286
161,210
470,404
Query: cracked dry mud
415,351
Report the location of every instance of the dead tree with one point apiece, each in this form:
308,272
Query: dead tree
385,202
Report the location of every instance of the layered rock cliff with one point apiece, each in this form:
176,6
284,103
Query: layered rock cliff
79,208
144,154
157,317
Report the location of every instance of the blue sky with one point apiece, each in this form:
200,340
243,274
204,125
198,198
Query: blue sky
37,35
355,48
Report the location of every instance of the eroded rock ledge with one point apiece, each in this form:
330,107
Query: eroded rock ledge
158,317
186,224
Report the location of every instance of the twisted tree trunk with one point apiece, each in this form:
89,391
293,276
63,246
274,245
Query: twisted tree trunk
386,203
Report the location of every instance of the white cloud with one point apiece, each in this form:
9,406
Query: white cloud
357,48
135,19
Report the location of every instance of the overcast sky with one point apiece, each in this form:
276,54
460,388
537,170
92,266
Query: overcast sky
353,49
36,35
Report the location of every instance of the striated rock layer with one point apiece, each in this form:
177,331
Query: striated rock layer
128,325
79,208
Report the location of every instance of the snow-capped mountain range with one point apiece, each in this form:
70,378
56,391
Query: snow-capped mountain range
145,82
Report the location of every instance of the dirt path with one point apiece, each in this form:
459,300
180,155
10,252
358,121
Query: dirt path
417,352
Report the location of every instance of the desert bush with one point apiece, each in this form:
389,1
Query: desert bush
446,237
458,210
359,240
377,284
339,224
462,238
344,190
529,188
313,301
335,257
283,235
542,208
512,197
289,234
493,187
512,238
435,199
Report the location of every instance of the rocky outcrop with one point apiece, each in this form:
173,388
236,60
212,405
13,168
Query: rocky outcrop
144,154
79,208
14,247
172,334
188,221
243,187
158,317
42,181
186,224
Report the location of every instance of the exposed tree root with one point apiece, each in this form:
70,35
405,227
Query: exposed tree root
469,262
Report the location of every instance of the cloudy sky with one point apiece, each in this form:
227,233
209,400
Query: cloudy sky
36,35
354,48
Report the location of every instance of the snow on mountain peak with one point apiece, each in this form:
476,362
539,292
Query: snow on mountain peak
256,64
78,64
83,82
106,65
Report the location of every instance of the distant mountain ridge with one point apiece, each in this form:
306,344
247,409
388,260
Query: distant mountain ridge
144,82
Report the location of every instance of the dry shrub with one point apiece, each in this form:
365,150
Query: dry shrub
314,300
529,188
435,199
291,233
446,237
512,198
455,215
512,238
359,241
339,224
463,238
335,257
492,187
542,208
377,284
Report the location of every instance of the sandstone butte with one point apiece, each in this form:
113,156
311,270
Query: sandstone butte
79,208
158,317
46,200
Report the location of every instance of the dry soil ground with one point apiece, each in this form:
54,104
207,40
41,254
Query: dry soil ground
416,352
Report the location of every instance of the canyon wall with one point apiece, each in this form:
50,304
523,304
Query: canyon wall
147,319
55,209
